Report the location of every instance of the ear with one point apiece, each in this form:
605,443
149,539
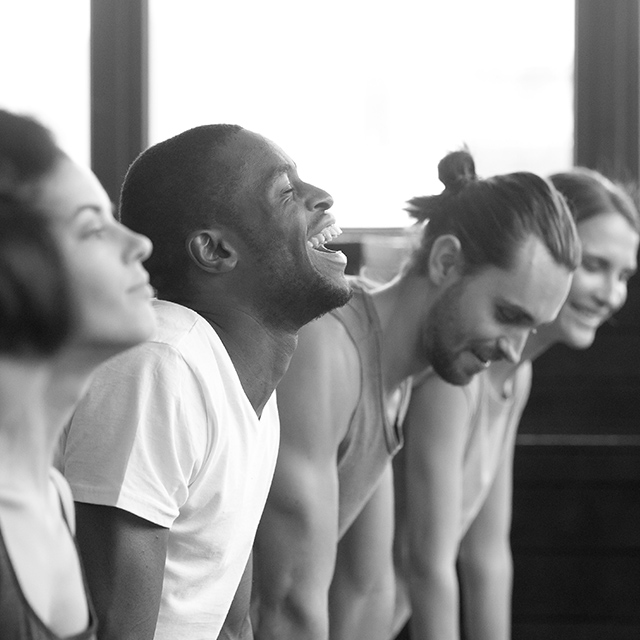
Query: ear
211,251
446,259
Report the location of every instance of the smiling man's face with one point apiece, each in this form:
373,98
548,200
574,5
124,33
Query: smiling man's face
285,224
488,315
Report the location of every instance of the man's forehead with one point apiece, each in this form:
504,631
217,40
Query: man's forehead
255,158
529,276
247,145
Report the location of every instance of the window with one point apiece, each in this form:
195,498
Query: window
366,96
44,48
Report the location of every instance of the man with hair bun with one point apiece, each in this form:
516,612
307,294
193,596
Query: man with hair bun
454,477
494,262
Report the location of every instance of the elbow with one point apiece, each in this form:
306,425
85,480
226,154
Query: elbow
293,615
309,615
493,563
426,573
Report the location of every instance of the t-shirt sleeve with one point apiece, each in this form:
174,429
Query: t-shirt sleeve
137,436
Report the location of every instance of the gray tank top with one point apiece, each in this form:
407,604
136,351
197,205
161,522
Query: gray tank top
372,439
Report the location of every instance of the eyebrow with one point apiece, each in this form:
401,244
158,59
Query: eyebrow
281,169
523,315
605,262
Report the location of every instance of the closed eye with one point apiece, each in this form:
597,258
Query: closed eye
513,317
95,232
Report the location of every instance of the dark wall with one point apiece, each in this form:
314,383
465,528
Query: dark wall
592,391
576,519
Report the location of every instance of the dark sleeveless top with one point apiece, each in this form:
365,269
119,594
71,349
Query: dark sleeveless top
371,440
18,621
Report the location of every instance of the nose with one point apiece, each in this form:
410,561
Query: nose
137,246
511,346
612,292
318,199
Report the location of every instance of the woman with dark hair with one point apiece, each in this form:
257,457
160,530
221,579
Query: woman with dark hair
454,476
73,292
34,299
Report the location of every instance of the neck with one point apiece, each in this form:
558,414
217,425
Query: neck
538,343
260,354
402,306
37,399
28,436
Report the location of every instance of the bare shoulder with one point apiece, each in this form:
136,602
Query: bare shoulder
439,412
321,387
433,392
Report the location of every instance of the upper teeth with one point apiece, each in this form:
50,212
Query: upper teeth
326,235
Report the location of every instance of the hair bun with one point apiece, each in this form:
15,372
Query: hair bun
456,169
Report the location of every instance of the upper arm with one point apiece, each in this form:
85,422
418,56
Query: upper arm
363,590
489,532
237,624
436,428
124,558
129,464
298,533
153,456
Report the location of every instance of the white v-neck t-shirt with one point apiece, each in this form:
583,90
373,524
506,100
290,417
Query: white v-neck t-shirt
167,433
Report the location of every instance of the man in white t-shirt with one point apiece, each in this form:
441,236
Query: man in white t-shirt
171,453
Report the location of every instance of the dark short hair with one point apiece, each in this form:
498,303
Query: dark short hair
492,217
588,194
173,188
34,297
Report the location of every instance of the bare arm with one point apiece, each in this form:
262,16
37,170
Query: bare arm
298,535
362,595
485,562
237,624
124,558
435,431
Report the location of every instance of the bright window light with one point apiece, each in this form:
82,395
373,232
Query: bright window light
44,48
367,96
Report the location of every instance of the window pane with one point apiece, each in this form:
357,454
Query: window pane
44,48
367,96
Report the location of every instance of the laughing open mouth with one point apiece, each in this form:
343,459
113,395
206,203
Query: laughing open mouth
328,234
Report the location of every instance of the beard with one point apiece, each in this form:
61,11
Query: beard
439,337
294,293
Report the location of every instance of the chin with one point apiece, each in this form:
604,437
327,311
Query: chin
579,339
453,375
330,295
